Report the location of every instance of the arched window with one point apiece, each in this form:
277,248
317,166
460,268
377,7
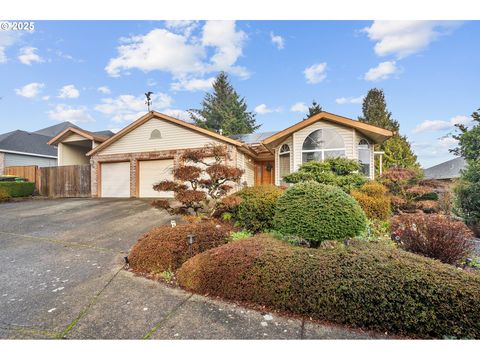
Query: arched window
364,156
155,134
284,161
323,144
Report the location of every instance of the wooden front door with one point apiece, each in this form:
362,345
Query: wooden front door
264,173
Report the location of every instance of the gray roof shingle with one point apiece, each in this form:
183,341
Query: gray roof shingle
447,170
54,130
26,142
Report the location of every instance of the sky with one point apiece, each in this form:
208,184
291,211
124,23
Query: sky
94,73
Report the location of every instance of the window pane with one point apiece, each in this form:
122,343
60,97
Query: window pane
334,153
313,141
284,165
364,158
284,148
311,156
332,139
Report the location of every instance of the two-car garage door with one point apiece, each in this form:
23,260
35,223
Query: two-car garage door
115,178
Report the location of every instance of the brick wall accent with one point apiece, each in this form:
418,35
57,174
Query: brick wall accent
134,158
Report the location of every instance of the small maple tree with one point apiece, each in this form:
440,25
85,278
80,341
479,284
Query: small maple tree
199,182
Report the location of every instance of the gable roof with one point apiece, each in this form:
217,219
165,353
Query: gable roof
154,114
98,136
54,130
447,170
20,141
379,135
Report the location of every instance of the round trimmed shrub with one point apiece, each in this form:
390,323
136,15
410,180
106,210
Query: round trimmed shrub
366,284
257,207
318,212
165,248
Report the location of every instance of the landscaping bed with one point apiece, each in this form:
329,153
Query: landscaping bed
368,285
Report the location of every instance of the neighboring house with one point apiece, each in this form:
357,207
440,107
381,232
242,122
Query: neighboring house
22,148
74,143
448,170
129,163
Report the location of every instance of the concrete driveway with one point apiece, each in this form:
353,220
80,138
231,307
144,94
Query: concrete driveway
61,276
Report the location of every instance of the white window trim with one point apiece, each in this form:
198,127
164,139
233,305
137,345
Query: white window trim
280,153
370,149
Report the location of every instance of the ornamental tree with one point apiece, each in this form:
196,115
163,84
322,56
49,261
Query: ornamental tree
200,181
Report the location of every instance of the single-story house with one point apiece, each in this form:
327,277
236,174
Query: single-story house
74,143
130,162
448,170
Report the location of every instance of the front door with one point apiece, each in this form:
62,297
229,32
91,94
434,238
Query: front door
264,173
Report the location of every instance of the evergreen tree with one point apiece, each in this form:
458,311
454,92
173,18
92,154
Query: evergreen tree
224,110
375,111
398,151
313,109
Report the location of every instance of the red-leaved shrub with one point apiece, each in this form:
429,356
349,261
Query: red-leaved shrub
435,236
165,248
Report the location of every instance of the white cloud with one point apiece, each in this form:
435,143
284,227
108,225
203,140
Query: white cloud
217,48
404,38
46,97
299,107
177,113
315,73
382,72
264,109
30,90
185,27
28,56
68,92
437,125
104,90
63,112
7,39
278,41
349,100
193,84
130,107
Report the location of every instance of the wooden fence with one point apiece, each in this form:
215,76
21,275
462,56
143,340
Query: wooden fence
65,181
31,173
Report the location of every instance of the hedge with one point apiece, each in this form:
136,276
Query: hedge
18,189
366,284
257,207
318,212
165,248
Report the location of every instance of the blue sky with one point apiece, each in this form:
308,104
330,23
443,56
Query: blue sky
95,72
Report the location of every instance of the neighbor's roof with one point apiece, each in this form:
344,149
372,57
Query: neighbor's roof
447,170
54,130
254,138
24,142
99,136
154,114
379,135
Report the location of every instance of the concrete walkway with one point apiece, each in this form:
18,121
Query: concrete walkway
61,276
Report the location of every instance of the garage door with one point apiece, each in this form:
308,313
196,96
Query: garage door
152,172
115,179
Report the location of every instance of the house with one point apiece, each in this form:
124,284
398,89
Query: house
74,143
448,170
144,153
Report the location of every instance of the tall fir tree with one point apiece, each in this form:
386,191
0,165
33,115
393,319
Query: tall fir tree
224,110
375,111
313,109
398,151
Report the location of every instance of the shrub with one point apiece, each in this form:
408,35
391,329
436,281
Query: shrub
373,199
239,235
17,189
318,212
257,208
165,248
365,284
335,171
4,194
436,236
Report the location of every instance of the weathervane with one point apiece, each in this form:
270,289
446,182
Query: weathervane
148,102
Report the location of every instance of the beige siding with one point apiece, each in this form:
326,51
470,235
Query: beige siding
74,137
249,171
172,137
72,155
300,136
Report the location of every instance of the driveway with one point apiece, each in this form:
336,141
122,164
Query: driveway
61,276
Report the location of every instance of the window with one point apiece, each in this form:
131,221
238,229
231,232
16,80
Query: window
364,156
323,144
155,134
284,161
